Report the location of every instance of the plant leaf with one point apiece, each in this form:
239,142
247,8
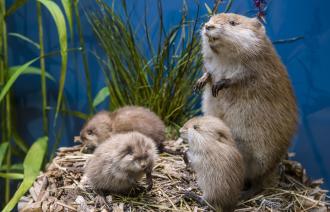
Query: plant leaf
24,38
3,150
32,165
13,78
101,96
12,176
30,70
58,17
20,142
67,5
13,167
17,4
230,2
209,11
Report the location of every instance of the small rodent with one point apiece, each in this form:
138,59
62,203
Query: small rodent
126,119
120,162
248,87
218,164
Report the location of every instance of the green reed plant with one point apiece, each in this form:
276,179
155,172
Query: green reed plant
162,82
11,143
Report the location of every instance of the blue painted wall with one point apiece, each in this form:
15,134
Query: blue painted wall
307,61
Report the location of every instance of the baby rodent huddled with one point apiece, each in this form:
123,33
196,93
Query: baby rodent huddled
126,142
119,162
216,160
126,119
248,87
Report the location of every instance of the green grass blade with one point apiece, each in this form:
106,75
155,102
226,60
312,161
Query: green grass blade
13,78
24,38
59,19
3,150
17,4
77,114
101,96
84,56
12,176
13,167
67,5
228,6
43,69
32,165
19,141
30,70
209,11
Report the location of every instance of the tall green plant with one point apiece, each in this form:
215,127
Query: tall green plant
8,75
162,82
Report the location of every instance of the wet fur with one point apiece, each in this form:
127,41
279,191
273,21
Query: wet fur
216,160
258,103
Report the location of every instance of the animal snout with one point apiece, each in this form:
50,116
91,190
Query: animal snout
209,27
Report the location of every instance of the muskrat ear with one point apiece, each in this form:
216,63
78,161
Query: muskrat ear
257,23
222,135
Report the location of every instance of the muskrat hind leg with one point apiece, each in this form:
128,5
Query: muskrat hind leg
162,149
100,199
189,195
251,189
186,159
149,180
201,82
221,84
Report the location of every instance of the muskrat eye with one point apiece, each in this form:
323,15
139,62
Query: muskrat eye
195,127
233,23
89,132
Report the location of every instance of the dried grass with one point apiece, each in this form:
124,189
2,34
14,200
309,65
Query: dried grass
59,188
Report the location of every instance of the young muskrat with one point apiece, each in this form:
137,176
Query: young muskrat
218,164
129,118
248,87
120,162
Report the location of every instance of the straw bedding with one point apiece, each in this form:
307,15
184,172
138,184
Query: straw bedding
59,188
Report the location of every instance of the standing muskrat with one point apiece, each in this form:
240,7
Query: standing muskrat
247,86
120,162
126,119
213,155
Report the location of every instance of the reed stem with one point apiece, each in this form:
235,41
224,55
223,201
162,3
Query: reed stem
7,108
43,71
84,57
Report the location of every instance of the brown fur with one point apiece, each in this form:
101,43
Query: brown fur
216,160
120,162
125,119
257,102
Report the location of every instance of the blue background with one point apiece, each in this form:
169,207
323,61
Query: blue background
307,61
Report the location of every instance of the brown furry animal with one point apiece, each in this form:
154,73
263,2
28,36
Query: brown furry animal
120,162
217,162
126,119
248,87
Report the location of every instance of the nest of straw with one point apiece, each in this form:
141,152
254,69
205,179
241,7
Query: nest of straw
59,188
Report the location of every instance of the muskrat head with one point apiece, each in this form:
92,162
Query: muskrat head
204,129
139,155
97,129
233,34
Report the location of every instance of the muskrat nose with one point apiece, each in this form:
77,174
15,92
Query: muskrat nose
209,27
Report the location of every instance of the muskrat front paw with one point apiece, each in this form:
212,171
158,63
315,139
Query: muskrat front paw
221,84
199,84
